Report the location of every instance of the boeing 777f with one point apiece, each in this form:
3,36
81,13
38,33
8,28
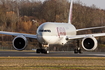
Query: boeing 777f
50,33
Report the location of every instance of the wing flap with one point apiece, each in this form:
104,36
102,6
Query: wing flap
17,34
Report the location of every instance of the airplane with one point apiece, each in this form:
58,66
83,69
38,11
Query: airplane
50,33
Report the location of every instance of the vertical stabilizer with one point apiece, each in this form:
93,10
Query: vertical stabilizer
70,12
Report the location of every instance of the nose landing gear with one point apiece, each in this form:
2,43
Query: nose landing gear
43,49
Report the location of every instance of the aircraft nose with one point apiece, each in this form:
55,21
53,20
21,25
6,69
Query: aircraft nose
43,38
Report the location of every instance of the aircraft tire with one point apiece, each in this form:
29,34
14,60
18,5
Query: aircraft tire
76,51
44,51
38,51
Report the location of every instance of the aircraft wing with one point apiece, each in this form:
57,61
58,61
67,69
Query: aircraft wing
86,35
17,34
90,28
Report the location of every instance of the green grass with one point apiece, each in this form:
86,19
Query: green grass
52,63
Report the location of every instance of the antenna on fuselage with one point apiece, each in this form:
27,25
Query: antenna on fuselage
70,12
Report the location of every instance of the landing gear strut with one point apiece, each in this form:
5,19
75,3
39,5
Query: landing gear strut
78,49
41,50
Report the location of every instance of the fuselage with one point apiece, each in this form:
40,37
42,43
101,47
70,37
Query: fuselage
55,33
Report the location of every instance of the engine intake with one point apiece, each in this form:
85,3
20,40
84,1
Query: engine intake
20,43
89,43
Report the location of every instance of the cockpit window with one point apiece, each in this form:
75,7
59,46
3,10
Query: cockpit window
44,30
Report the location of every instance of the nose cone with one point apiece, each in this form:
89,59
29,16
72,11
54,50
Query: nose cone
43,38
44,32
46,38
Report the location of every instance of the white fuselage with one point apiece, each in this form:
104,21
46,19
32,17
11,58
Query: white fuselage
55,33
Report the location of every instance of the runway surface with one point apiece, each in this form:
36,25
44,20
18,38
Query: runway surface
51,54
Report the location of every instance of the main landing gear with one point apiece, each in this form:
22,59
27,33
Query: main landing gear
77,49
43,49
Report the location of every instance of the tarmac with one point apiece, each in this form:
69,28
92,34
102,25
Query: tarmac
51,54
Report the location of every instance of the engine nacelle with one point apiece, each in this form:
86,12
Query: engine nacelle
20,43
89,43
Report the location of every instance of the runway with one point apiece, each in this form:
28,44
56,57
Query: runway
51,54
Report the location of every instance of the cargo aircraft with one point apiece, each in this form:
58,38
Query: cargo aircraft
51,33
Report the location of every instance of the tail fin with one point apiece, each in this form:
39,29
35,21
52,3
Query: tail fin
70,13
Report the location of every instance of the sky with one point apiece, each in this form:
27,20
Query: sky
98,3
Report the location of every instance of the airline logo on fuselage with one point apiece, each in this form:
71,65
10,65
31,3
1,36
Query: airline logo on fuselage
61,31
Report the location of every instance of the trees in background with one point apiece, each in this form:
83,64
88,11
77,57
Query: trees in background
13,14
26,15
55,10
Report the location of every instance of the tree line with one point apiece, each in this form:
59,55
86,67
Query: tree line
26,15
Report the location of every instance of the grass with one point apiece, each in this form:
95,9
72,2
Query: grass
52,63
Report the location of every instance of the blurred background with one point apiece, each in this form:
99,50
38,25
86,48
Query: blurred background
25,16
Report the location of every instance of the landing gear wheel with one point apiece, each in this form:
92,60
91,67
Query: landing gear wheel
38,51
77,51
44,51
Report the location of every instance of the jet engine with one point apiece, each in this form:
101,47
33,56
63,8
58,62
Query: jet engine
89,43
20,43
